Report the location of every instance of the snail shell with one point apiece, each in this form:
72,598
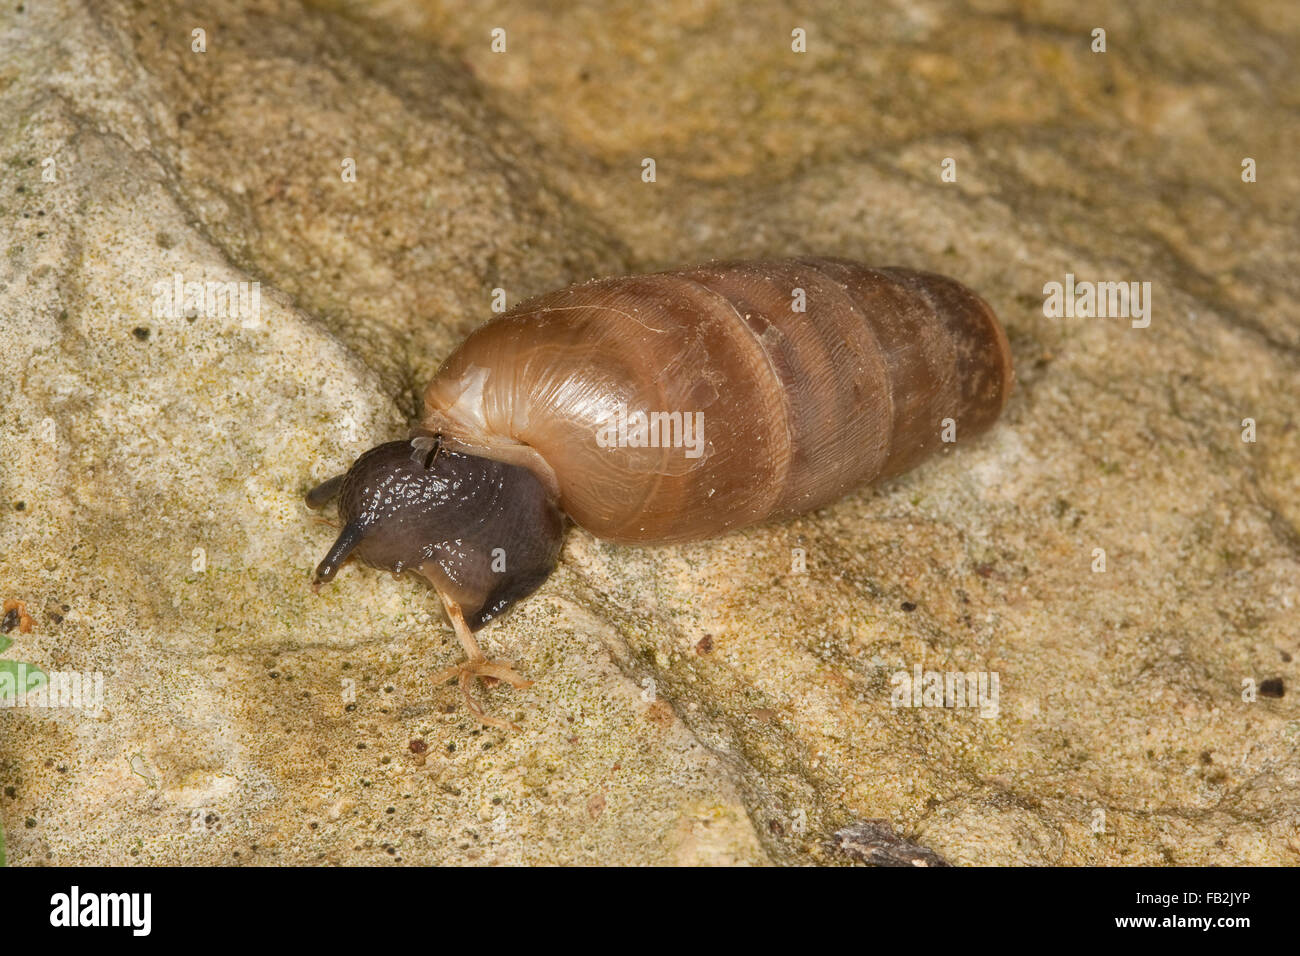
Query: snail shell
796,407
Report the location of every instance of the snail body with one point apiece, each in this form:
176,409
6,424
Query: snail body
668,407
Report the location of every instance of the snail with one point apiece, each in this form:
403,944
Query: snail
663,408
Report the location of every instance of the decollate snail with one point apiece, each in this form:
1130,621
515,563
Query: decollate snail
660,408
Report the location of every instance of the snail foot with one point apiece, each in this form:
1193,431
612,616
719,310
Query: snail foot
490,672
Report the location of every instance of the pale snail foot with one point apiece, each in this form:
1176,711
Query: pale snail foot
478,667
487,670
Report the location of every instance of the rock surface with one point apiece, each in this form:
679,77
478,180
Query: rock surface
698,704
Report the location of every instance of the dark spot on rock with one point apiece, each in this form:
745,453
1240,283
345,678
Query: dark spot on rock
31,823
704,645
1273,687
10,792
876,843
908,606
1286,658
141,333
418,746
164,241
9,622
20,506
1205,757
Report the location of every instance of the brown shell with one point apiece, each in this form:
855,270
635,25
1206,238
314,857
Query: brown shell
798,406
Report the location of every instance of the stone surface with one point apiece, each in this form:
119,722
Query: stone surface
703,703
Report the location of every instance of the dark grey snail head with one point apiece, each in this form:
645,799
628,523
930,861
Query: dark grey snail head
483,533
